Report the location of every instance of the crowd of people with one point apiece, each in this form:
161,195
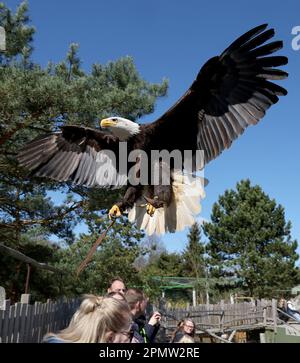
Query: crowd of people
117,317
120,317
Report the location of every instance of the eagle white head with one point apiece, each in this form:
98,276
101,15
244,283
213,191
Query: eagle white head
120,127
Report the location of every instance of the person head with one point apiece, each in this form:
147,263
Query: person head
98,320
180,325
186,339
116,295
188,327
184,327
117,285
137,301
282,303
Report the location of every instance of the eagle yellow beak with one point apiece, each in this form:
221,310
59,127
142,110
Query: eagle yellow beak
107,123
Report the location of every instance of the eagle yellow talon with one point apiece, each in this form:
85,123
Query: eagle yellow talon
114,212
150,209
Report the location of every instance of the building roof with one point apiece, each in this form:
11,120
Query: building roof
296,290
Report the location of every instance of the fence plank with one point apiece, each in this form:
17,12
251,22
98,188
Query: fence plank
29,323
210,317
274,313
36,321
23,312
29,309
16,331
11,324
5,322
1,323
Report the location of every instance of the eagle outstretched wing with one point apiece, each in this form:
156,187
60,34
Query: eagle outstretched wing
231,92
83,155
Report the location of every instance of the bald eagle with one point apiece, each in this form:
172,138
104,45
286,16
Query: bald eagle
231,92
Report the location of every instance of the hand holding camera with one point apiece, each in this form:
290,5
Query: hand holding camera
155,318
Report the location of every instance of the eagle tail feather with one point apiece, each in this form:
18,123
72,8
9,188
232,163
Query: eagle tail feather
179,214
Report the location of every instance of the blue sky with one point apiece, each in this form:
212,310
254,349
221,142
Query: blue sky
173,39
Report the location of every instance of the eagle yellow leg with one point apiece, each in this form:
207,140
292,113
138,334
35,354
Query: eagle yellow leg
114,212
150,209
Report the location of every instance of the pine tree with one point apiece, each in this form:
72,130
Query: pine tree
250,240
195,262
19,34
194,253
36,100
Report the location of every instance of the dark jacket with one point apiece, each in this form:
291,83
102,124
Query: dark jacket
144,332
177,337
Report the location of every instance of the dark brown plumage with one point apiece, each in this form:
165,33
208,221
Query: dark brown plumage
231,92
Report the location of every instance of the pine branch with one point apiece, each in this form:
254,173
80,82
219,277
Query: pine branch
20,126
44,221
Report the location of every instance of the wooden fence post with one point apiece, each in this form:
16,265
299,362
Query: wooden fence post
25,298
222,315
274,314
222,321
5,322
2,311
194,297
265,315
2,298
27,278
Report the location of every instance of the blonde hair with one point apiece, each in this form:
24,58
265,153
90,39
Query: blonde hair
96,317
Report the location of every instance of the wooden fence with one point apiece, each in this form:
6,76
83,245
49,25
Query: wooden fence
222,317
28,323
